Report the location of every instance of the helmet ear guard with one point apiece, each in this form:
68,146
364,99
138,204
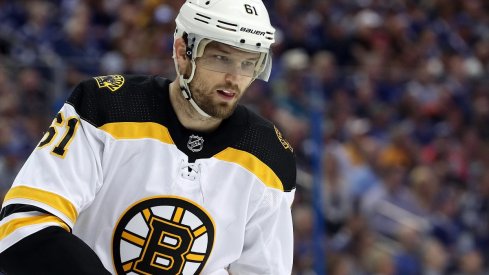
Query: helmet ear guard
184,82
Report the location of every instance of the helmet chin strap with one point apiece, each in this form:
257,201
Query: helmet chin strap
184,87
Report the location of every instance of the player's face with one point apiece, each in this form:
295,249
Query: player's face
222,75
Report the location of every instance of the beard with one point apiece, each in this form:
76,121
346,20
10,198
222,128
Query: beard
205,97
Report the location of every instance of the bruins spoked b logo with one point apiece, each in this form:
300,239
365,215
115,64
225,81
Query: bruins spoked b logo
163,235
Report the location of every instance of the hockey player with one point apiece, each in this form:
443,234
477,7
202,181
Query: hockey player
141,175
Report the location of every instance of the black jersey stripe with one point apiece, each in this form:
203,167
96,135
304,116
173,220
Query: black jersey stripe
19,208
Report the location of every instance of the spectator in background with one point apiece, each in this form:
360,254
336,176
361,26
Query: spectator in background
79,50
379,262
303,244
425,186
292,92
326,72
10,164
33,89
357,154
407,259
337,202
435,258
399,149
339,264
475,215
391,204
471,263
11,157
33,42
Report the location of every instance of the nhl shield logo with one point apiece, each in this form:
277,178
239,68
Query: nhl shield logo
195,143
112,82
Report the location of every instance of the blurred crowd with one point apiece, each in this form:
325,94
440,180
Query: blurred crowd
402,88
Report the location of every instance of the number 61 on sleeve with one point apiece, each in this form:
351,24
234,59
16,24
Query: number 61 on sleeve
70,125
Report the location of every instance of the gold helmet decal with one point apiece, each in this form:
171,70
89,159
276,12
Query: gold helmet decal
112,82
163,235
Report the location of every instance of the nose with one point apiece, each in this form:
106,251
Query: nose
234,69
232,76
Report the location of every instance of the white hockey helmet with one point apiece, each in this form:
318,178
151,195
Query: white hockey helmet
243,24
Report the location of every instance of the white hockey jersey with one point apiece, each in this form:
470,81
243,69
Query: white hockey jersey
118,170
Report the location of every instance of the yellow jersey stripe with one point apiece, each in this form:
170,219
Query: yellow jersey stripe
252,164
15,224
55,201
138,130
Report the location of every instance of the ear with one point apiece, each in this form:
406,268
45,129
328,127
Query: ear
180,55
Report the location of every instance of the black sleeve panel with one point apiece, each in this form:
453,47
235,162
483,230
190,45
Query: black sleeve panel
264,140
51,251
135,100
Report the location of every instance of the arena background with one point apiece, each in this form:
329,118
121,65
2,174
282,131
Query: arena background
386,104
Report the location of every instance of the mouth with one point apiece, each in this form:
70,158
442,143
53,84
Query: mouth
226,94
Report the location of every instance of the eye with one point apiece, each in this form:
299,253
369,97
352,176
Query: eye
222,58
248,64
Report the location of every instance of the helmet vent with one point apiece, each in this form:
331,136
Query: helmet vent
227,23
201,15
226,28
198,19
202,18
229,26
270,37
